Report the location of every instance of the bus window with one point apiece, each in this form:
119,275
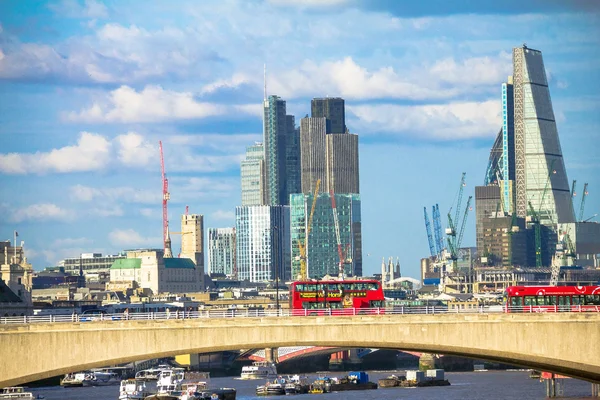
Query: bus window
592,299
540,300
564,301
516,302
577,300
530,301
550,300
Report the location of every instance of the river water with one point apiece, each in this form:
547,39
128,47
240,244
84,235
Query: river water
493,385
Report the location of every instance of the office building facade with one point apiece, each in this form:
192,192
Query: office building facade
321,248
342,163
263,243
281,175
540,175
252,176
333,110
313,162
89,263
221,251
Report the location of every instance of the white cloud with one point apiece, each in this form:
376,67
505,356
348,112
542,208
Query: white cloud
130,238
222,143
92,152
40,212
346,78
135,151
454,121
151,104
149,212
235,81
223,215
126,194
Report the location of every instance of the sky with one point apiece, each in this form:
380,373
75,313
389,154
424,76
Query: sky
88,88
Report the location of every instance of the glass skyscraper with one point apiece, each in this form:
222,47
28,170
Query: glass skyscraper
282,152
322,250
540,175
252,173
221,251
262,242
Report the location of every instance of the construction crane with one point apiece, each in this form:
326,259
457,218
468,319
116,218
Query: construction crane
455,240
302,247
583,196
437,224
460,194
165,199
341,253
429,235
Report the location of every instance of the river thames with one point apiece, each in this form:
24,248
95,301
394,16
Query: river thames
464,385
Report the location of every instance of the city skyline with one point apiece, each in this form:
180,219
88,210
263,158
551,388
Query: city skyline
88,93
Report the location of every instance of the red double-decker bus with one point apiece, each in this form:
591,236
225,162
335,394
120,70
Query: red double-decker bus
552,298
336,297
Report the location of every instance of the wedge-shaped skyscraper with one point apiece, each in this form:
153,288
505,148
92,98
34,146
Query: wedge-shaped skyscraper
541,181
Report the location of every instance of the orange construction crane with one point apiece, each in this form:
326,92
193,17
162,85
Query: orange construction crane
302,246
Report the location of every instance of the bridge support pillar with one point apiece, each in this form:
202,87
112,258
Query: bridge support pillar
344,360
272,354
595,389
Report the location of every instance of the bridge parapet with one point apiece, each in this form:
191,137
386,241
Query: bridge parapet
562,343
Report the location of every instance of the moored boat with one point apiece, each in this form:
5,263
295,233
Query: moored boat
297,384
134,389
259,370
271,388
101,378
74,379
15,392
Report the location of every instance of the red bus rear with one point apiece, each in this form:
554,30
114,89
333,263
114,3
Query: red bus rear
336,297
552,299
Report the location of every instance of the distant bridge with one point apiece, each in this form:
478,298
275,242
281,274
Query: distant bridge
564,343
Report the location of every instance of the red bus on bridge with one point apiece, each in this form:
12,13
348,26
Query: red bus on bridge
552,298
336,297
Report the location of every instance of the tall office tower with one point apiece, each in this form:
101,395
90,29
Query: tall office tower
332,108
279,134
313,154
221,251
540,175
252,172
322,252
292,158
501,165
333,158
263,243
342,163
192,242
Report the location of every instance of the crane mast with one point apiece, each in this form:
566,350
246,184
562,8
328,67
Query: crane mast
583,196
429,235
337,235
165,198
302,247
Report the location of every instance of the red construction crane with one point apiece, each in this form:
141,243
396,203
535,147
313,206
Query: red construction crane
166,197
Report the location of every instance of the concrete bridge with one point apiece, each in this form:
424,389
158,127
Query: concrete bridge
565,343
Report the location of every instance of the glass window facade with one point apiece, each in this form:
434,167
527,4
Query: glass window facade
221,251
322,251
262,242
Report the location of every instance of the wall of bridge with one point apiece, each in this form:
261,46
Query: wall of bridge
566,343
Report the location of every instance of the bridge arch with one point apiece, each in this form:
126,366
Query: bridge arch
554,342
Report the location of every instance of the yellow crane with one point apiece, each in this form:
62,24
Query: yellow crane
302,246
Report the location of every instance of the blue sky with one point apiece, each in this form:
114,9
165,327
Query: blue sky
88,88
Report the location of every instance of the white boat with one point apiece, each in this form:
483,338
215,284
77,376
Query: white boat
74,379
271,388
297,384
259,370
177,384
101,378
16,392
133,389
152,373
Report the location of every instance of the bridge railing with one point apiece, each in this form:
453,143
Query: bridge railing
326,312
